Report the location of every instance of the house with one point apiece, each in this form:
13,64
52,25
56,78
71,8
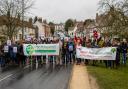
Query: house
15,30
29,31
43,29
59,27
77,29
71,31
47,30
80,29
89,27
59,30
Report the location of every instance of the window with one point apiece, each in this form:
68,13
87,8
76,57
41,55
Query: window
25,36
20,36
33,31
16,36
25,30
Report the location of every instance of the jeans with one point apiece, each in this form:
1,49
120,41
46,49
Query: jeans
65,57
15,58
2,61
70,56
109,63
124,58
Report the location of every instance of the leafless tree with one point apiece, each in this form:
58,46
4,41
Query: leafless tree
115,18
11,13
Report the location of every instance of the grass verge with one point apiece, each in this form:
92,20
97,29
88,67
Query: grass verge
110,78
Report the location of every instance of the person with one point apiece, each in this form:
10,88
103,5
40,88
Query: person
44,56
78,46
11,54
124,48
65,51
2,61
14,57
88,44
56,57
70,50
50,57
84,42
6,54
101,43
108,63
60,51
21,56
117,61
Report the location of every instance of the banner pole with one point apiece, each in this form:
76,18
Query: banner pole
65,60
36,63
31,61
53,59
46,59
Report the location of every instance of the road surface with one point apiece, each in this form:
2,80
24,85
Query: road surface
46,77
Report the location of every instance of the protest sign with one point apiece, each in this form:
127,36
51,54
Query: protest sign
15,49
9,42
6,48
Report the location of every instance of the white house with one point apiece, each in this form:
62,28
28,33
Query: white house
71,31
40,26
77,30
43,29
59,27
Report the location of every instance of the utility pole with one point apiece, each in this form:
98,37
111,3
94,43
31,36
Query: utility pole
22,19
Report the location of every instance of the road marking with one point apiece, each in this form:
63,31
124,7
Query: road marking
6,77
12,74
26,67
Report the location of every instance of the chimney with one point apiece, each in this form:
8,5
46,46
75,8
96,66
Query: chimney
44,21
30,20
97,17
40,19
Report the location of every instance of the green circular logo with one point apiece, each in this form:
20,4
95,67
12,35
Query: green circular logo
113,50
29,49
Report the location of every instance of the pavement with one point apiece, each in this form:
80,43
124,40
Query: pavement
48,76
80,78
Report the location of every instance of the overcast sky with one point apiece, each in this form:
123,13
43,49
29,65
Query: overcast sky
61,10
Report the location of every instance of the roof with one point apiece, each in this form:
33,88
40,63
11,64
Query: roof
16,21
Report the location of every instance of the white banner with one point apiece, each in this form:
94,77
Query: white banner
106,53
41,49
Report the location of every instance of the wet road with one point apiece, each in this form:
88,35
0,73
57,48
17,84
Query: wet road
46,77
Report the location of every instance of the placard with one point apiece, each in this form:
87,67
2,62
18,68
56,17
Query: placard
6,49
15,49
9,42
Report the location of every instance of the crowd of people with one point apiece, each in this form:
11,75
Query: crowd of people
121,54
67,53
17,57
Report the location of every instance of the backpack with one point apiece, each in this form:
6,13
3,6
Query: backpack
70,47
